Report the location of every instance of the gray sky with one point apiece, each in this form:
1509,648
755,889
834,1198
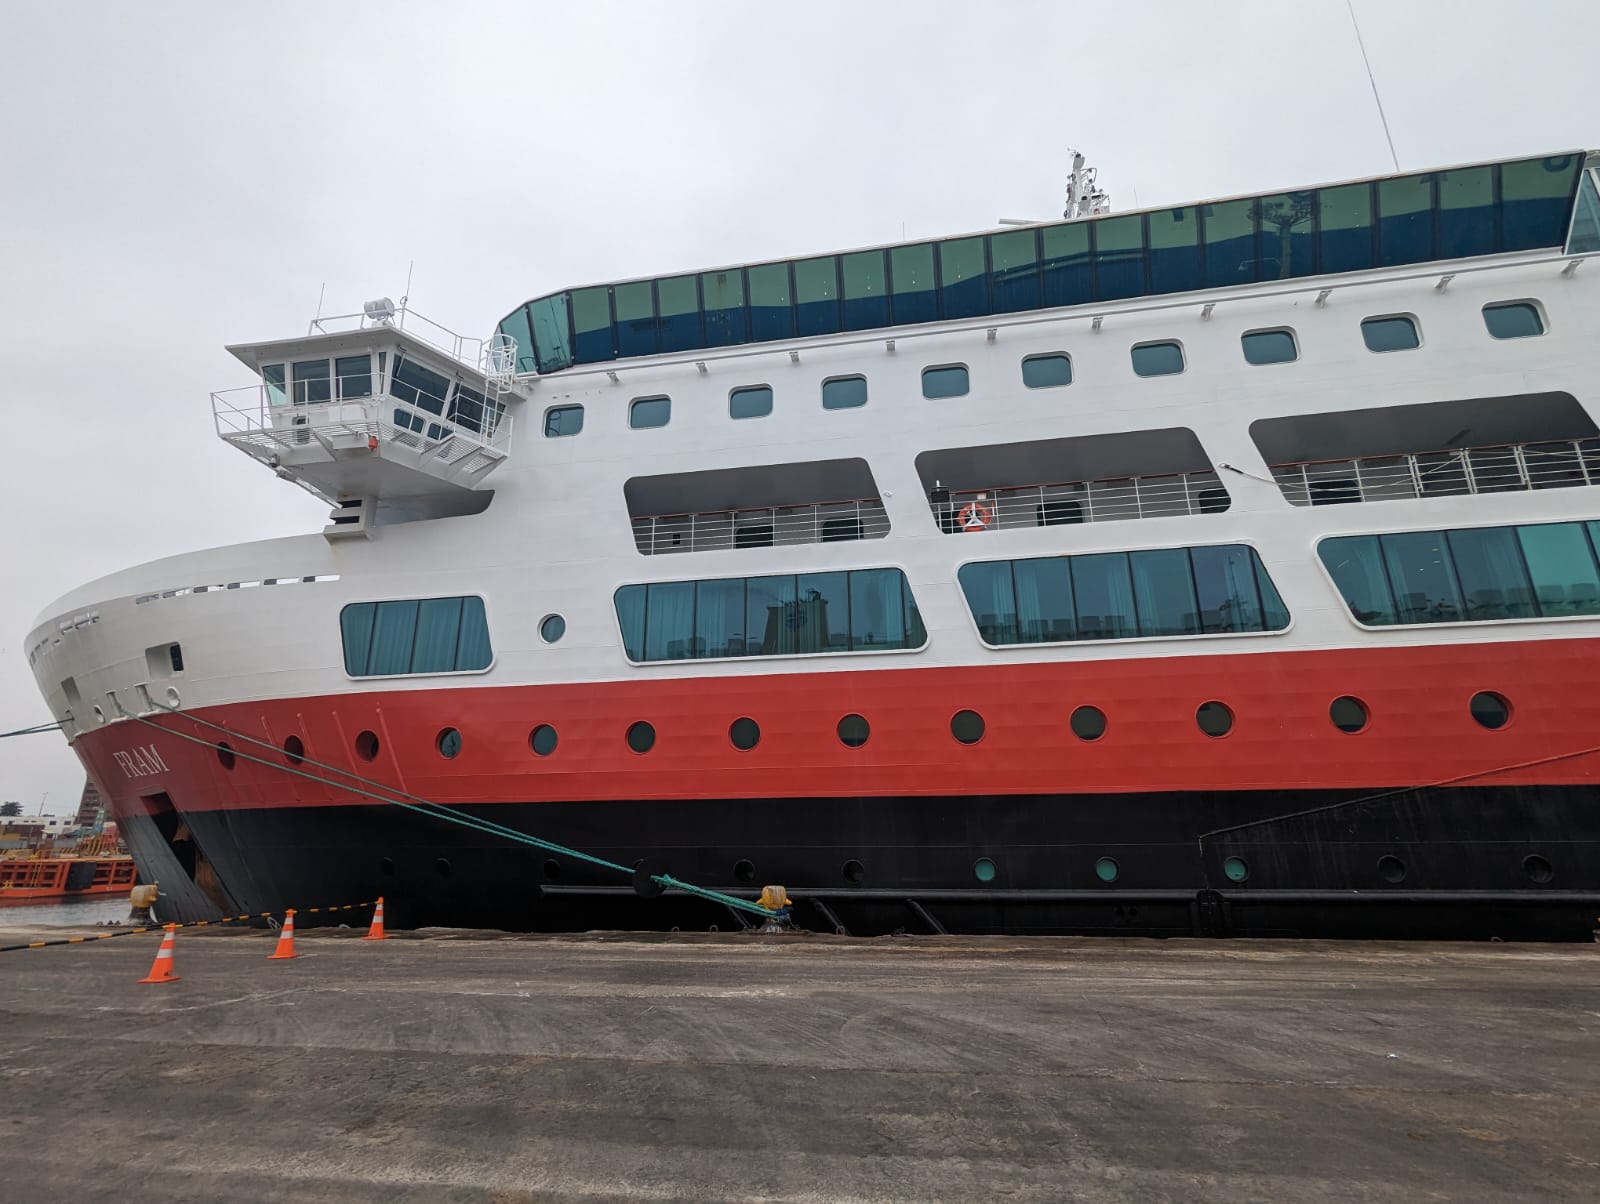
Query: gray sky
177,176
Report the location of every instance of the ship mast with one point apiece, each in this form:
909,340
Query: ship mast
1084,196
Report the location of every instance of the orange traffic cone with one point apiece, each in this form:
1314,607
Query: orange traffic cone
161,968
375,933
285,947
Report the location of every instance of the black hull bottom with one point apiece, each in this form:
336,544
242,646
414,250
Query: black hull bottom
1442,863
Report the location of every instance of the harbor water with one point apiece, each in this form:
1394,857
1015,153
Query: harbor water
74,914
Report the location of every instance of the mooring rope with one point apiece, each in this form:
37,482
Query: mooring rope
427,807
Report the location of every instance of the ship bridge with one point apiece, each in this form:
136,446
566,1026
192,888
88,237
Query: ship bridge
385,415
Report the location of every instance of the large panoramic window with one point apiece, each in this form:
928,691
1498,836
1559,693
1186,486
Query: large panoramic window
859,610
1122,595
1473,575
430,635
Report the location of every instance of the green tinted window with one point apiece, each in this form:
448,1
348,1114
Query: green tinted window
1119,257
591,323
912,278
1231,256
1466,212
1405,220
1346,228
1014,270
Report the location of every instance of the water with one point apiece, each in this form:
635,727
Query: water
74,914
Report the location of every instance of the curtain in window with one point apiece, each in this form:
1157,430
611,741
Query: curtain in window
669,621
719,618
1562,567
877,616
355,625
1489,571
630,615
438,626
1164,592
1225,580
1044,600
1356,564
991,599
772,616
825,612
1104,590
473,650
392,637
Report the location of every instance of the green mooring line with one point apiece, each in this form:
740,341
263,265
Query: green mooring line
429,808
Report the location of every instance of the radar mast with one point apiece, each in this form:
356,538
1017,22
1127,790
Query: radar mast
1084,196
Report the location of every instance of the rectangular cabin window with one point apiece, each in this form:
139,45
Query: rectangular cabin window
431,635
912,277
866,290
474,412
1231,256
816,294
753,401
949,380
844,392
1269,346
722,295
1422,576
562,421
771,306
272,378
678,308
1119,257
1066,266
963,278
1174,250
1584,237
354,373
1561,566
1047,371
1157,359
1513,320
647,413
1397,332
1014,271
591,325
635,308
312,382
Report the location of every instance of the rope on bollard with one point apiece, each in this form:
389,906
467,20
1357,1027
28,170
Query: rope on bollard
106,936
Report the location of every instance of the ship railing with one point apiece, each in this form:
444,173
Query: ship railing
1110,499
1488,468
464,347
761,526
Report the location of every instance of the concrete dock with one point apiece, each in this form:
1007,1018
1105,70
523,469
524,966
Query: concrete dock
447,1066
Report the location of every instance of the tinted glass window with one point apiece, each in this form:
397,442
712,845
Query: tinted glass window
1561,568
949,381
1390,334
1046,371
1065,265
551,338
963,280
435,635
1422,577
1466,212
877,612
1119,257
1157,359
630,617
866,290
1489,572
1174,250
1104,590
419,386
991,599
719,618
1288,242
669,621
1536,201
1269,347
772,616
1163,590
1231,256
354,373
1405,220
1513,320
1585,236
678,311
1346,237
1044,600
1014,271
911,275
636,318
722,301
562,420
816,292
824,612
591,325
516,325
771,311
645,413
272,376
754,402
1356,564
844,392
312,383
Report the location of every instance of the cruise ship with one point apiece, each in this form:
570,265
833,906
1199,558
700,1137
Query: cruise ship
1226,568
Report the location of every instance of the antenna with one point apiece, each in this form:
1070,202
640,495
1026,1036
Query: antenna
1376,98
320,293
406,296
1084,197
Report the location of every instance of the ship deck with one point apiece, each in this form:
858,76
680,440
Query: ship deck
458,1066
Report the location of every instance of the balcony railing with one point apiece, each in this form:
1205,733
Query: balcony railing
1503,468
1111,500
762,527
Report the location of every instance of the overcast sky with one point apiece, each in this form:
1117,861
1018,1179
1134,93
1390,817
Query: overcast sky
177,176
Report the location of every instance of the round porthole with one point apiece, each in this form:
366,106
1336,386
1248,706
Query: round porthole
1088,723
983,870
552,869
1348,714
294,749
1491,710
225,754
641,737
542,740
744,870
1538,869
1106,869
967,726
1214,718
552,628
853,731
443,868
745,733
1236,868
448,742
854,871
386,867
1391,869
367,745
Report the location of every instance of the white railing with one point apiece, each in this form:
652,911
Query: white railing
717,530
489,356
1503,468
1113,499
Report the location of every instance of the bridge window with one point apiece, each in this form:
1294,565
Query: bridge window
1513,320
560,421
866,290
1481,574
1157,359
354,373
844,392
1046,371
816,294
860,610
754,401
912,279
312,383
420,387
646,413
722,294
430,635
635,307
1014,271
272,377
591,325
948,381
678,311
771,307
1174,255
963,278
1395,333
1269,346
1122,595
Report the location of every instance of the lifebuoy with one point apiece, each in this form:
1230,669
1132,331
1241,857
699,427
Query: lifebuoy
973,517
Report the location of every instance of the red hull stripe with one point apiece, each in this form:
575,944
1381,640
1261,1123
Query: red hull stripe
1421,732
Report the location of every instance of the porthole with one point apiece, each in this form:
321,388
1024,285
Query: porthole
225,754
1088,723
853,871
552,628
967,726
443,868
1106,869
1348,714
1491,710
641,737
1538,869
853,731
294,749
1214,718
542,740
1391,869
983,870
367,745
744,870
745,733
386,867
552,869
1236,868
448,742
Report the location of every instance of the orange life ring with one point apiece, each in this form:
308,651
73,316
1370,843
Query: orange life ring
973,517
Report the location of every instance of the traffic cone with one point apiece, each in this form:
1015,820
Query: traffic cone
161,968
375,933
285,947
